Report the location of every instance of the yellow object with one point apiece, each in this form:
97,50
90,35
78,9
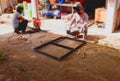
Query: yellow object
14,11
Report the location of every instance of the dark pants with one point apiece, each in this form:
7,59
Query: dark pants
22,26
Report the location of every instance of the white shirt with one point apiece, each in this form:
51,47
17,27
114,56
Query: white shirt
79,20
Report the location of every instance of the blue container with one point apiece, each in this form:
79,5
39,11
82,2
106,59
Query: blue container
61,1
49,13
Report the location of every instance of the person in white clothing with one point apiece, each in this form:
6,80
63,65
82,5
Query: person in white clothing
78,22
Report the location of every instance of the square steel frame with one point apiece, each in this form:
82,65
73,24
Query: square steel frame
54,42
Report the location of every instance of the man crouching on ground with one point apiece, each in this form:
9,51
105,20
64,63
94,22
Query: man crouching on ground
19,22
78,22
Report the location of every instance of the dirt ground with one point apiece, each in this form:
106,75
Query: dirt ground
91,62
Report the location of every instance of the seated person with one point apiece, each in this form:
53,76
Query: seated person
78,22
19,22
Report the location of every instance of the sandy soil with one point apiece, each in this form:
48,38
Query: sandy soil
91,62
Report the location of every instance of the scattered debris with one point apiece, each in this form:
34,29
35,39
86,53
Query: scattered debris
2,22
83,55
101,25
14,40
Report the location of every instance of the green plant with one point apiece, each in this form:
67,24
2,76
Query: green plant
2,56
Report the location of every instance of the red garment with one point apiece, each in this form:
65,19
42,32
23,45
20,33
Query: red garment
20,1
28,1
82,1
38,2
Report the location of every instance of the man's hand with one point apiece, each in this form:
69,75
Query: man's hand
30,20
22,18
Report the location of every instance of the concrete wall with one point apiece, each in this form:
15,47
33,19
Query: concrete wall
118,4
117,15
5,3
111,16
0,8
118,8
